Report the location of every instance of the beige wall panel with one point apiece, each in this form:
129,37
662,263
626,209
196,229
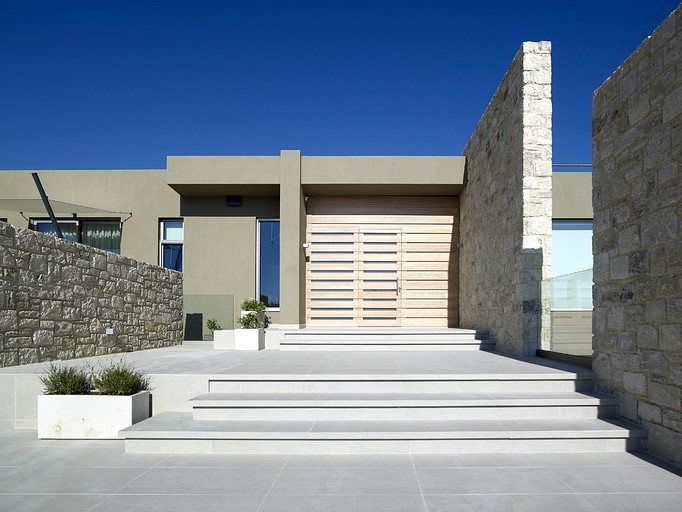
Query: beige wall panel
220,257
572,195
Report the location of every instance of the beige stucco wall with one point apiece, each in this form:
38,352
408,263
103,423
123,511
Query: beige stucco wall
506,209
637,320
144,193
572,195
223,175
379,175
220,252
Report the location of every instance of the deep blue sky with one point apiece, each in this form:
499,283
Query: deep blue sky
123,84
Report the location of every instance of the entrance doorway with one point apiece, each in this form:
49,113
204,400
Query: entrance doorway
382,261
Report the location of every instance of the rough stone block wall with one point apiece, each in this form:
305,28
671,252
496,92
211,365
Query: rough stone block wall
506,208
637,198
58,297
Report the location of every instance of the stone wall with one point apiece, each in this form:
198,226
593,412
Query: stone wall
57,298
637,199
506,208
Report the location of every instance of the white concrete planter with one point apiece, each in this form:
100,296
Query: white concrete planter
223,339
89,416
249,339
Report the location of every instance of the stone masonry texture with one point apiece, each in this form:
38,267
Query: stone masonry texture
637,199
506,209
58,297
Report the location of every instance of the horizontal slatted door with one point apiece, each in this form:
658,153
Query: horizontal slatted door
428,267
379,263
429,277
332,275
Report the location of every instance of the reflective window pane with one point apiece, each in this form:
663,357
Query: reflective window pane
69,229
269,263
172,230
171,256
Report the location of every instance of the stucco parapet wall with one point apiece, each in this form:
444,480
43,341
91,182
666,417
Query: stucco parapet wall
572,195
437,170
220,175
260,175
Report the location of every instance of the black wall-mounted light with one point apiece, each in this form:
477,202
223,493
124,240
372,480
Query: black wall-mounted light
234,200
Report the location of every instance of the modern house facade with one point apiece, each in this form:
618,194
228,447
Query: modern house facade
399,241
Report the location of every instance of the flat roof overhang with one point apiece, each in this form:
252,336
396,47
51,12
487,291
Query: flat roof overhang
382,175
320,175
223,175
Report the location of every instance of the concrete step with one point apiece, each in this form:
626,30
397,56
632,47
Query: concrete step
401,406
179,433
540,382
385,339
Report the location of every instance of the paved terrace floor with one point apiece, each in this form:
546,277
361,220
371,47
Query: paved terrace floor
97,476
200,358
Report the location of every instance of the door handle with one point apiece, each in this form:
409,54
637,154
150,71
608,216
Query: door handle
397,286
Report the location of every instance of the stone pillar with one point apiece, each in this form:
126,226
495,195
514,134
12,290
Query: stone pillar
506,209
292,235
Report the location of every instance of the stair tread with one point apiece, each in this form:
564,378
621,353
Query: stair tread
392,376
394,399
180,425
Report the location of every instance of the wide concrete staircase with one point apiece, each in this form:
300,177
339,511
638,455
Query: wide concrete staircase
543,409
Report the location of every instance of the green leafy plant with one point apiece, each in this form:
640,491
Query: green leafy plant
253,305
66,380
213,324
249,321
120,378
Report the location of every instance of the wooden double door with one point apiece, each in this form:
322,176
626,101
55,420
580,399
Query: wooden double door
382,261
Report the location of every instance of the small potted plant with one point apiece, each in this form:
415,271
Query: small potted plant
91,403
254,306
251,336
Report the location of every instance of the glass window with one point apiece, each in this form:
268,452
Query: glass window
171,237
571,246
571,264
69,228
101,234
105,235
268,262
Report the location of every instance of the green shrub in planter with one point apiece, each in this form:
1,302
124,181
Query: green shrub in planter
120,378
61,379
249,321
253,305
213,325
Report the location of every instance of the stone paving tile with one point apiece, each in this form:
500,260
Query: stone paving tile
346,503
507,503
224,461
203,481
97,476
346,481
638,502
618,479
65,480
349,461
49,502
180,503
488,480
